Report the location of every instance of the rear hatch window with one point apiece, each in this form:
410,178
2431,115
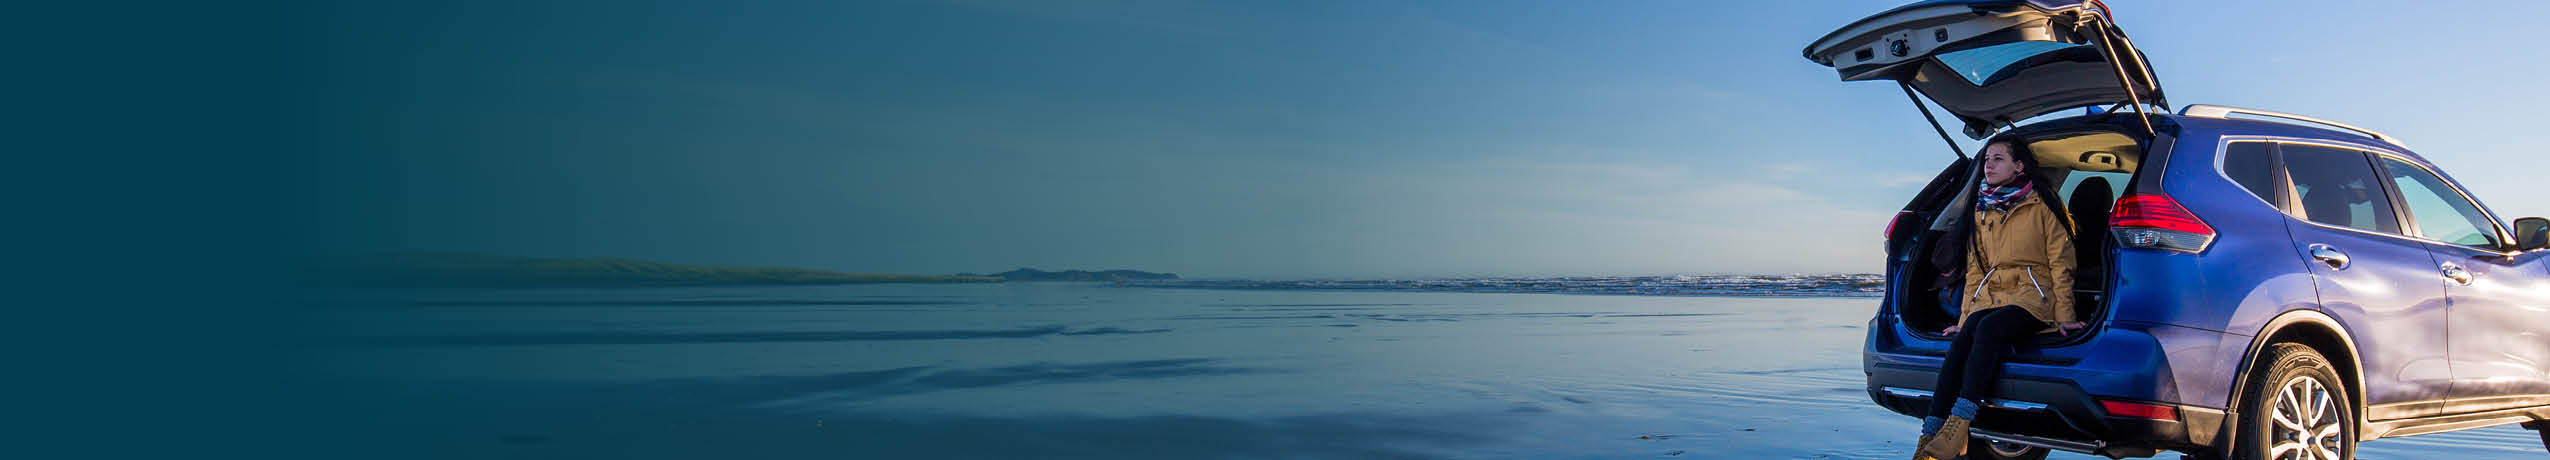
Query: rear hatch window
1994,63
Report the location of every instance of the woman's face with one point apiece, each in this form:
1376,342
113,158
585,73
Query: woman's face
1998,168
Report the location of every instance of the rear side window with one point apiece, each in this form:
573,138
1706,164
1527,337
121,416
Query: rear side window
2439,212
2338,187
2248,164
2115,181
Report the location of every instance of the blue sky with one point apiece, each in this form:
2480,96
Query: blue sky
1266,139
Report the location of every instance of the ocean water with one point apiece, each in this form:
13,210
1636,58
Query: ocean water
1092,370
1839,285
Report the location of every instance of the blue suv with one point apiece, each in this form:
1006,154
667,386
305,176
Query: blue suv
2258,284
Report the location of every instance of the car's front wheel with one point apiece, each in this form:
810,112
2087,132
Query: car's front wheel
2295,409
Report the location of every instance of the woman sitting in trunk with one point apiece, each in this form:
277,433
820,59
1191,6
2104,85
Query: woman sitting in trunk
2018,283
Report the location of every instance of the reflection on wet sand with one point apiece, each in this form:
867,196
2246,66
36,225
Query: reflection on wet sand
1089,371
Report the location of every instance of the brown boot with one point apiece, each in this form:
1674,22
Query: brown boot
1947,444
1925,440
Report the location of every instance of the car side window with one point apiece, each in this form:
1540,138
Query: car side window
2439,212
2248,164
2338,187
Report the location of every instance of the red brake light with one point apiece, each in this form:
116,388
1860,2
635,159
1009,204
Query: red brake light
2156,211
2154,221
2140,410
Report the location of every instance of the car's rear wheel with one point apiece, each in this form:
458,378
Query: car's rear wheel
1985,449
2295,409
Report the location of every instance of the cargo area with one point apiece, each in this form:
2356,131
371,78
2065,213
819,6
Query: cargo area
2094,162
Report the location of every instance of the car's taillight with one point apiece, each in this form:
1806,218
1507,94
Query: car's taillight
2151,221
2140,410
1890,224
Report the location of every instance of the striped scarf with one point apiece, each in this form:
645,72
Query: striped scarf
2000,197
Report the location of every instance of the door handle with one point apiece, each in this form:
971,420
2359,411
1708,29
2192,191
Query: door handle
2329,255
2459,275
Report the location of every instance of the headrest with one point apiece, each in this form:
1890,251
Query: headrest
2327,205
2091,198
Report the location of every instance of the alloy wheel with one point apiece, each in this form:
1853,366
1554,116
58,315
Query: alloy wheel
2307,424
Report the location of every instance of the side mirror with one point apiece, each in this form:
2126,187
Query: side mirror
2532,233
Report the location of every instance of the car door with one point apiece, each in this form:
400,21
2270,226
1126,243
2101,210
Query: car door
2370,275
1992,63
2499,305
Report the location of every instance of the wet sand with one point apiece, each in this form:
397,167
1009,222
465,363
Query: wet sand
1064,370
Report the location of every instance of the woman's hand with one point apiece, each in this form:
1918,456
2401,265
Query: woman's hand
2066,328
1951,330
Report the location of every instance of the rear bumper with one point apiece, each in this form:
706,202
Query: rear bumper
2053,397
2054,415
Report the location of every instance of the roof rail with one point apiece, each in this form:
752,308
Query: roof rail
2222,112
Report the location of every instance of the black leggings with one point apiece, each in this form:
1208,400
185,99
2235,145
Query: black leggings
1974,358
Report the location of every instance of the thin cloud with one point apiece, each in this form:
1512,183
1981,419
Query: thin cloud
1907,180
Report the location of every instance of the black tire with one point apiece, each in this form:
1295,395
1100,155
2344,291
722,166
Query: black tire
1985,449
2295,405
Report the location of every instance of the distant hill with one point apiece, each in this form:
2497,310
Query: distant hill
1030,274
479,270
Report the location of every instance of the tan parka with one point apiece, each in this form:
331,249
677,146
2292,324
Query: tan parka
2021,256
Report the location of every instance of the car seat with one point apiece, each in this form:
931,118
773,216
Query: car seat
2327,204
2089,206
